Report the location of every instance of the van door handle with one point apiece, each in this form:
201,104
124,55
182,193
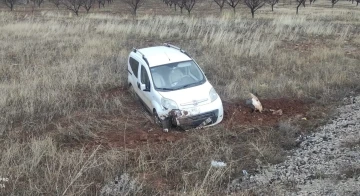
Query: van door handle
138,84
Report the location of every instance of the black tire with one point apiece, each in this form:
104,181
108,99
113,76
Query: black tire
157,119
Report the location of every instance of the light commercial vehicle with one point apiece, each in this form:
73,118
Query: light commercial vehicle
173,88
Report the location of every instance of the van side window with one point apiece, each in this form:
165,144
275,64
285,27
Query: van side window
134,64
144,76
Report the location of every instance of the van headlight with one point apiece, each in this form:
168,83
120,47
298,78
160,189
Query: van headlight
213,95
169,104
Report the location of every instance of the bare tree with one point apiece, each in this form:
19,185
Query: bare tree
73,5
10,3
180,4
56,3
33,5
39,2
254,5
173,2
272,3
333,2
233,3
109,1
220,3
312,1
189,5
167,2
170,3
357,2
134,5
101,3
300,2
88,4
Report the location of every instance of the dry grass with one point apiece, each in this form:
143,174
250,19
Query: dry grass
54,66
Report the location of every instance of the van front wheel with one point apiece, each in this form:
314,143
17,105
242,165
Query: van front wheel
165,124
156,118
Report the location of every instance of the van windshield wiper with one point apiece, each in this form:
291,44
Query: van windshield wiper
188,85
165,89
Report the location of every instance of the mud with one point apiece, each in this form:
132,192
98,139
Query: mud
238,113
139,128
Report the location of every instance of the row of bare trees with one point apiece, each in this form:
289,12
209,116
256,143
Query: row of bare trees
11,3
76,5
253,5
181,4
134,5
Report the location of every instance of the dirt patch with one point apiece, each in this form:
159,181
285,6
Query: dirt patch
138,129
133,127
132,139
238,113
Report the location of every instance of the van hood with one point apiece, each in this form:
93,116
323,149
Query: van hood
185,98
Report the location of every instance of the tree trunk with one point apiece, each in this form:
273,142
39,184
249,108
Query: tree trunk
234,10
252,13
272,7
181,10
221,9
297,8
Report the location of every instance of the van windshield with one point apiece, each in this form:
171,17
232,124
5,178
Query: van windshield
177,75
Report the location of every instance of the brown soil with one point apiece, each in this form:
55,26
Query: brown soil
140,130
238,113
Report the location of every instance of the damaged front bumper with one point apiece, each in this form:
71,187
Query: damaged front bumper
186,120
193,117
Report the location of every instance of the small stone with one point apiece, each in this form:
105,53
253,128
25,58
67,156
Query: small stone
278,112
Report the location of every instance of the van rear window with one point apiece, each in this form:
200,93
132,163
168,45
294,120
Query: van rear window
134,64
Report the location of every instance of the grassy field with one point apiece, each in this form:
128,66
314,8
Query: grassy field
55,70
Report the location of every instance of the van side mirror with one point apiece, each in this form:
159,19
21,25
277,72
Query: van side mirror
145,87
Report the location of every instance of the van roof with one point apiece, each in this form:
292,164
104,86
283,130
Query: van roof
160,55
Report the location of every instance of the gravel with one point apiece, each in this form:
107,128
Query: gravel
326,163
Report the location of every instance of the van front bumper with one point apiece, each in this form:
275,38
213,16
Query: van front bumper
206,115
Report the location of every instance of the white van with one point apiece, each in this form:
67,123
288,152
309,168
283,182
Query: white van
174,89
